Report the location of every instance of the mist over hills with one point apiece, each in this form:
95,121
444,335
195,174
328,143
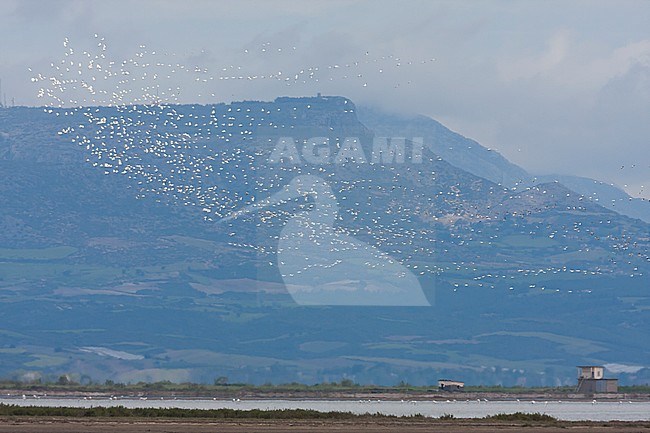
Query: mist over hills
122,271
489,164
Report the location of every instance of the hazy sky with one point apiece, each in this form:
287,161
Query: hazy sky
556,86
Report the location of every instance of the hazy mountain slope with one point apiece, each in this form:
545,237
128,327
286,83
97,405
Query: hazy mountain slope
606,195
94,282
469,155
460,151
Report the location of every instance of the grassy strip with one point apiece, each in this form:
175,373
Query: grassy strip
123,412
281,414
522,416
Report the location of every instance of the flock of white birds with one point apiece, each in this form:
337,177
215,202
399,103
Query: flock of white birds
127,117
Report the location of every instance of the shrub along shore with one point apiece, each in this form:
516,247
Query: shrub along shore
10,410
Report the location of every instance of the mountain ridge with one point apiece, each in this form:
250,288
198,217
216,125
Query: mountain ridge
471,156
85,263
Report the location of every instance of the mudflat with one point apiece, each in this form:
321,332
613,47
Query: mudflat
76,425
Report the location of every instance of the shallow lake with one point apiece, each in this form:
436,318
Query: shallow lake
565,410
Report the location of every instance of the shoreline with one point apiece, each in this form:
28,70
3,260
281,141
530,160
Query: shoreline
120,419
362,410
124,425
31,394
